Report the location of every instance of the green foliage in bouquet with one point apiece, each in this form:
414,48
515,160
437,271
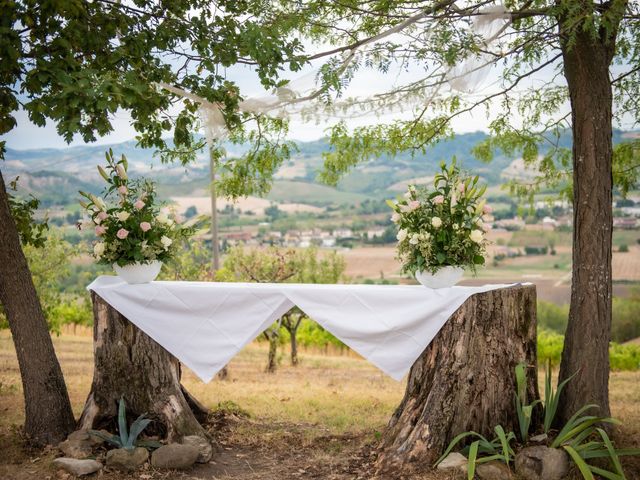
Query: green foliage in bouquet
134,229
444,225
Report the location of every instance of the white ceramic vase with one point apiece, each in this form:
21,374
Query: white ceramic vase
445,277
138,272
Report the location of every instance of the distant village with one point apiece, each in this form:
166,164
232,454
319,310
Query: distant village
627,217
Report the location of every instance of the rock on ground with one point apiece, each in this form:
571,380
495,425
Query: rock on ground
77,467
494,470
175,456
78,445
454,461
542,463
125,460
202,444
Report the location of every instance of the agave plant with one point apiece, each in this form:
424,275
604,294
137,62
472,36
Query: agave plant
128,439
482,450
581,436
523,410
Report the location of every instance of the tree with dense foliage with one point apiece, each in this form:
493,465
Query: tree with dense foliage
564,64
76,63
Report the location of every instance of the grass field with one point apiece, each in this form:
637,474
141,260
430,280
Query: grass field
312,193
318,420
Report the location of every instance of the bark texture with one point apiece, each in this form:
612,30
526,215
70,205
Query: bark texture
464,380
129,363
586,348
272,336
48,414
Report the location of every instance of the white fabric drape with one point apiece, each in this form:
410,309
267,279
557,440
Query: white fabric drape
296,97
205,324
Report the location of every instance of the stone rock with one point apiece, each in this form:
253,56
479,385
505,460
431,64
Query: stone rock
454,461
125,460
542,463
77,467
77,445
202,444
493,470
539,438
175,456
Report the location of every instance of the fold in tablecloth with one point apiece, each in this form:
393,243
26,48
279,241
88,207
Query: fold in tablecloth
204,324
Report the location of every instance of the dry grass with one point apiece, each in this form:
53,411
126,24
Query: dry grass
317,420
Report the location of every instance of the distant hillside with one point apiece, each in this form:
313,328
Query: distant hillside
57,174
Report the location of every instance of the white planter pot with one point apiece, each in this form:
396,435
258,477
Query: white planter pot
443,278
138,272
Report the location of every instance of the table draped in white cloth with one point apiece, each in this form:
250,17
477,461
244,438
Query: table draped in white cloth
204,324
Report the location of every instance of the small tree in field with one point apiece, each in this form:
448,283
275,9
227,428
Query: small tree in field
273,265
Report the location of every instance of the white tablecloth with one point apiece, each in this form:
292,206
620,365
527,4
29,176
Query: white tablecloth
204,324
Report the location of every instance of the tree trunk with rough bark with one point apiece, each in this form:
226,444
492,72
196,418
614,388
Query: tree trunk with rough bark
291,321
586,348
129,364
48,414
464,380
272,361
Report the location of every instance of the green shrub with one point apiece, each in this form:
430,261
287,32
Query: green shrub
622,357
552,316
624,248
529,250
549,347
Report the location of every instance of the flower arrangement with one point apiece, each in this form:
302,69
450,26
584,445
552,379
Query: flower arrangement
130,226
442,226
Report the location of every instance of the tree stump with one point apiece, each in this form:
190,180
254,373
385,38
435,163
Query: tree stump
464,380
129,364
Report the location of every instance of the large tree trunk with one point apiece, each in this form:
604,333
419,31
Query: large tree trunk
48,414
586,347
130,364
464,380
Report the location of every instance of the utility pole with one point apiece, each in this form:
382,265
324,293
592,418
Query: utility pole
215,264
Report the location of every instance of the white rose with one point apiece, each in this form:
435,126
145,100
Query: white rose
476,236
415,239
479,222
122,216
164,219
402,234
436,222
98,249
407,195
395,218
166,242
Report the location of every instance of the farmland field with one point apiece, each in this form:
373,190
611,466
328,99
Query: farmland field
318,420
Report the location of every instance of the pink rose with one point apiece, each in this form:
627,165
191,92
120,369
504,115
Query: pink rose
145,226
438,200
100,230
122,189
139,204
122,234
414,204
103,216
487,209
461,188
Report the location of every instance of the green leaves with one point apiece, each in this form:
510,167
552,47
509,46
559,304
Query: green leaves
31,232
128,440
